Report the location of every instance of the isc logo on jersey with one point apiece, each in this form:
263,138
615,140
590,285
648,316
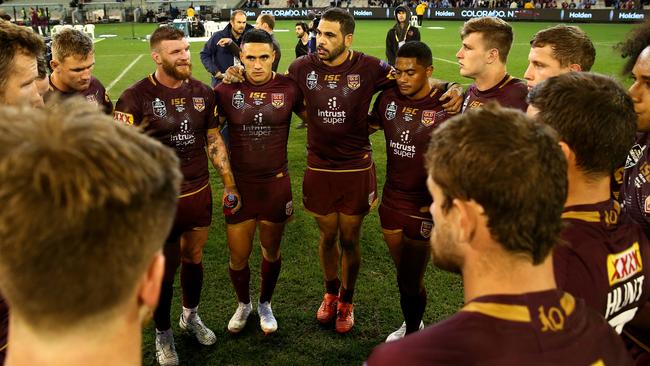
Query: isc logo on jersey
621,266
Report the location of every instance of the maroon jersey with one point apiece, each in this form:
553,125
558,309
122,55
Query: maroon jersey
604,261
179,118
539,328
258,125
96,93
510,92
635,190
407,128
337,102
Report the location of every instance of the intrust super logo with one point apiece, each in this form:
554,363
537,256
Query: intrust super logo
623,265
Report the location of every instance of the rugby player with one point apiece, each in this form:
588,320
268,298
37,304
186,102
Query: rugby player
339,186
558,50
596,123
18,84
86,207
482,57
498,234
407,113
180,112
73,60
18,65
635,192
259,113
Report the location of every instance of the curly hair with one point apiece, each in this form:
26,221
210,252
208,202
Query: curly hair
637,40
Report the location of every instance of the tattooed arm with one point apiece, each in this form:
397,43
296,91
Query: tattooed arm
218,154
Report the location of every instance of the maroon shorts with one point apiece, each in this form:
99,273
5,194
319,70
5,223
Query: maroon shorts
192,211
412,226
269,201
347,192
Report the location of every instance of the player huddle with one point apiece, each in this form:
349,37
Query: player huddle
514,184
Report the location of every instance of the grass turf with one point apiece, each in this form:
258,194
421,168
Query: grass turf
299,339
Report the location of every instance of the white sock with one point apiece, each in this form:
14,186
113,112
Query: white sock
189,313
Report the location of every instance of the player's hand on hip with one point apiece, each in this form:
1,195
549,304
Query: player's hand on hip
234,74
232,190
455,97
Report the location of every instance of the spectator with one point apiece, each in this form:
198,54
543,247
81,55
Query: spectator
400,33
419,11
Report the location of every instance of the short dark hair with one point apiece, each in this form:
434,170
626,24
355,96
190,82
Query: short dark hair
512,166
257,36
165,33
86,201
16,40
496,32
593,114
343,17
569,43
304,26
637,41
417,50
41,66
269,20
235,13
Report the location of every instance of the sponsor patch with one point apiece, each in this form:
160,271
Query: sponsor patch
621,266
312,80
238,99
354,81
288,208
428,118
277,100
159,108
123,117
425,229
391,111
199,103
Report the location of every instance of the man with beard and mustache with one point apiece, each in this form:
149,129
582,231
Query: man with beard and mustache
216,55
499,233
73,60
302,32
339,186
180,112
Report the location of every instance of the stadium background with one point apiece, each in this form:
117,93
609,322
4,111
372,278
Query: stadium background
300,340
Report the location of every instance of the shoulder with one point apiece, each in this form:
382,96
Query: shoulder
517,84
95,81
139,87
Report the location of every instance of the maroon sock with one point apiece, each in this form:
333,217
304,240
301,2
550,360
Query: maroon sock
161,316
240,280
270,273
332,286
413,310
346,295
191,283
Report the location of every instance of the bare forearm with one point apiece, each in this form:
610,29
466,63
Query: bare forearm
219,156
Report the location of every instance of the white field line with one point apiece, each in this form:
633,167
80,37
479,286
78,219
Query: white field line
119,77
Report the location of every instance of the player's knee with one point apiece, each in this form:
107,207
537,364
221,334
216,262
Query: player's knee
349,245
238,263
328,238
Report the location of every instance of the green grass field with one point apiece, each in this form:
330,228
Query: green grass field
300,340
